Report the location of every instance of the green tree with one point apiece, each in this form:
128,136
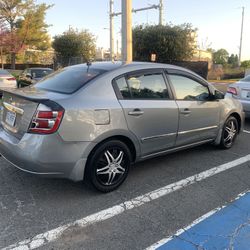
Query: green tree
73,43
220,57
169,43
233,60
26,24
245,64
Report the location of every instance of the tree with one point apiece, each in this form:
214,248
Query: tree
220,57
233,60
73,43
245,64
169,43
26,24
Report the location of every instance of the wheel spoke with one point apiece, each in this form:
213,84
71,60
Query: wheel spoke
109,157
119,158
120,168
228,138
104,170
111,177
228,129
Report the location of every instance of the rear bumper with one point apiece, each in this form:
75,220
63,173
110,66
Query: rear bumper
46,155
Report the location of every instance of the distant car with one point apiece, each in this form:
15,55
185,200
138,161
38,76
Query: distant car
241,91
93,120
7,80
32,75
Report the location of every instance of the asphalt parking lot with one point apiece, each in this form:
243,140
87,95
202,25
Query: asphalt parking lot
158,199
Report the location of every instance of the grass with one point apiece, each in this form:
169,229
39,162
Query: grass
224,81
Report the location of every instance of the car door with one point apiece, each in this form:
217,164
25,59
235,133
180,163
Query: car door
150,111
199,115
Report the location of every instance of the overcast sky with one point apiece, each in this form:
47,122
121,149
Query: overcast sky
218,21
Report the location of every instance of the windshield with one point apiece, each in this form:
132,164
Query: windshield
68,80
40,73
4,72
246,79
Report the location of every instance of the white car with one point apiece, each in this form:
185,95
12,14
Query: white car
7,80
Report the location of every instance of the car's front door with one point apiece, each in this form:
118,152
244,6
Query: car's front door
150,111
198,114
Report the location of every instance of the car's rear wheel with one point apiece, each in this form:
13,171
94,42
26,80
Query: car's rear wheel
229,133
108,165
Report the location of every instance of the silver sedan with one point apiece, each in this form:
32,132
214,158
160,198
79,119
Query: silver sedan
241,91
91,121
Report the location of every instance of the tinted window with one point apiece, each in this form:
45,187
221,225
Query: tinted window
68,80
188,89
147,86
123,87
40,73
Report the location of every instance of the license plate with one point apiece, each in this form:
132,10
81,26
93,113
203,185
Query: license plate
10,118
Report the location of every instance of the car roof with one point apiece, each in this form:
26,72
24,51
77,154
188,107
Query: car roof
108,65
40,68
115,65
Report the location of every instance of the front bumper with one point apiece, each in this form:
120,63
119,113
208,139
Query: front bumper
46,155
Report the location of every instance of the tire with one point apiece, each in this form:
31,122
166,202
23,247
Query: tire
108,166
229,133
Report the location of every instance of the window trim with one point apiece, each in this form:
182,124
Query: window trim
140,72
187,75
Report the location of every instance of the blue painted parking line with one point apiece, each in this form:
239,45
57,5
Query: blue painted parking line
228,228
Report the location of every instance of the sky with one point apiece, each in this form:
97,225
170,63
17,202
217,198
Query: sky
218,21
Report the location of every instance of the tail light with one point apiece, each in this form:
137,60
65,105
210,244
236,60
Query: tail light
232,90
45,121
11,79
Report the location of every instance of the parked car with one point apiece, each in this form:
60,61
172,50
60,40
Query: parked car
7,80
32,75
93,120
241,91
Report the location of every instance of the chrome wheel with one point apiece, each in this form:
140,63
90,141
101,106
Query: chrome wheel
108,165
230,132
114,161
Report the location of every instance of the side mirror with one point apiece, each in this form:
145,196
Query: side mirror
218,95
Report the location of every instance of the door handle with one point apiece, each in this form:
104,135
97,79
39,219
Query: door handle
136,112
185,111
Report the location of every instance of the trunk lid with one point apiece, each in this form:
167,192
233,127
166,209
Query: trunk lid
244,90
19,107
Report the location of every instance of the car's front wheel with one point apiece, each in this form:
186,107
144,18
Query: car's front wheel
108,165
229,132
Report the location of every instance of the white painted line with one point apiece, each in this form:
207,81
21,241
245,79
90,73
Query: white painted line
195,222
246,131
49,236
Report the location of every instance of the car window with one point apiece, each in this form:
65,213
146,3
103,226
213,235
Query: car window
4,72
144,86
40,73
68,80
188,89
123,87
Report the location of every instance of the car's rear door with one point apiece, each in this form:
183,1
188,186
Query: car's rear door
149,109
199,115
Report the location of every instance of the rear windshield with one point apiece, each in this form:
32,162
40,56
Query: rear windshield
68,80
4,72
40,73
246,79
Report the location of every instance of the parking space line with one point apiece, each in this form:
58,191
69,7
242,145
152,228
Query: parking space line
195,222
246,131
52,235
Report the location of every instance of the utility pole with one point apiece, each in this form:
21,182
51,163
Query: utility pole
111,29
161,7
127,31
241,34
